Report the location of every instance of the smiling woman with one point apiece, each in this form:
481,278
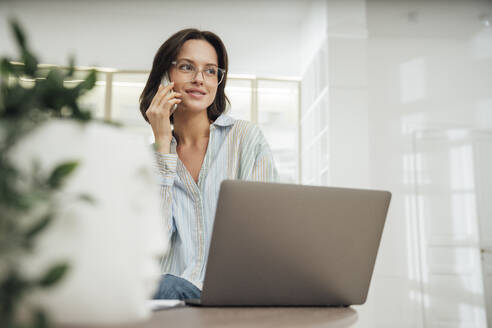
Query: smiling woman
193,47
197,146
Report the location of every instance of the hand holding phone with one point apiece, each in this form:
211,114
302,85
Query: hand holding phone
159,113
165,81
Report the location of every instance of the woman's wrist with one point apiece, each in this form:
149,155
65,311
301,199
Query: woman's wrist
163,145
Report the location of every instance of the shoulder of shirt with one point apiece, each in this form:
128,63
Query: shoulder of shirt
240,127
249,136
245,129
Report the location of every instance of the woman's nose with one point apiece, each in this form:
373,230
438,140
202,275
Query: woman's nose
199,74
198,81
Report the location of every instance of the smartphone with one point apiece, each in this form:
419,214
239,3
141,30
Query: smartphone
165,81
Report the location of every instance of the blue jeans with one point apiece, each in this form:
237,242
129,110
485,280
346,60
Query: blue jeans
176,288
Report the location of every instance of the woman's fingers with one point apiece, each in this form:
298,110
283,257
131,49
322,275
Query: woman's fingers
168,96
163,92
174,101
164,95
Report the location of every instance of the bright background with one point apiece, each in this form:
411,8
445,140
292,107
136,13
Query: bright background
392,95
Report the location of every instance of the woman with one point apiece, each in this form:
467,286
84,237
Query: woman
205,147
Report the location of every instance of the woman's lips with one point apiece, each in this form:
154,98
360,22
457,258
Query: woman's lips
195,95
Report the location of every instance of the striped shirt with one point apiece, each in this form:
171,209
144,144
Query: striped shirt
237,149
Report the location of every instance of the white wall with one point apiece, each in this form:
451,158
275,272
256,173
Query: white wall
347,66
425,82
313,32
334,114
393,68
262,37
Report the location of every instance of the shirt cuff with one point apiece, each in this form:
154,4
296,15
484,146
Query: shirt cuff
166,166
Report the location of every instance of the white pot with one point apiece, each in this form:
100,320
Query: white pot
113,247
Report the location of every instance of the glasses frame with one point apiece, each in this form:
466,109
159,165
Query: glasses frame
223,71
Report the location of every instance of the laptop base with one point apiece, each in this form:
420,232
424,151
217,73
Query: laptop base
197,302
193,302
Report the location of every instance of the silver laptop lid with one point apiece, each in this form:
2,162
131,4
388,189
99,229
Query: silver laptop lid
286,244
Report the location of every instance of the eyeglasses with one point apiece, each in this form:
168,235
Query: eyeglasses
210,74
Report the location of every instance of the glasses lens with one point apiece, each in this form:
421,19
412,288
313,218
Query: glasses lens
185,67
210,74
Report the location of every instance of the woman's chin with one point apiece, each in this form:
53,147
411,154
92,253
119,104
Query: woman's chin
192,109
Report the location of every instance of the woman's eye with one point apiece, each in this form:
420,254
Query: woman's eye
186,67
211,71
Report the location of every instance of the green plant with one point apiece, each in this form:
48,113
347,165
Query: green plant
23,109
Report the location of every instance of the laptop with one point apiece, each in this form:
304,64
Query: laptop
276,244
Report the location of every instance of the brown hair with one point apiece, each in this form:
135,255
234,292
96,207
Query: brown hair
168,52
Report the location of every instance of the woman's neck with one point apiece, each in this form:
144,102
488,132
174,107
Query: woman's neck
191,128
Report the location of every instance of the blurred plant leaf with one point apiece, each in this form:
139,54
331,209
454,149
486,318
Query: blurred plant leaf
31,63
55,79
87,198
53,275
61,172
11,290
30,95
88,83
39,226
40,320
18,33
71,66
29,60
7,69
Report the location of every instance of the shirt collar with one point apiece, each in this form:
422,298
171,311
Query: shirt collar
222,120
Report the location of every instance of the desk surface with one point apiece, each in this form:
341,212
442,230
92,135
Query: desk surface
250,316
